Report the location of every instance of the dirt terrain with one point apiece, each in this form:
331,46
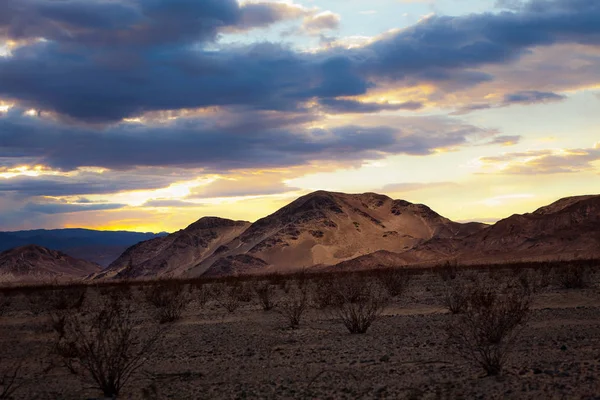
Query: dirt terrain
250,353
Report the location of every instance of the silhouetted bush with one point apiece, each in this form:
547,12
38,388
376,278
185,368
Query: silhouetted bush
202,293
169,299
225,294
104,346
394,280
573,276
293,304
454,296
359,302
67,298
9,379
322,293
489,327
266,293
5,302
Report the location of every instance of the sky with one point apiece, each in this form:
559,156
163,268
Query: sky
150,114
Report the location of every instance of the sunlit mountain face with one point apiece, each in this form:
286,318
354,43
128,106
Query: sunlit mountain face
148,114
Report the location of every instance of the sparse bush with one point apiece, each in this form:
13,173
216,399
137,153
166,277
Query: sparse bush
359,302
120,292
104,346
244,291
67,298
266,293
293,305
488,329
169,299
573,276
226,296
322,294
202,293
454,296
9,379
448,271
5,302
394,280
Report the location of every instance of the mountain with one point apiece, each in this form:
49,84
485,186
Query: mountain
101,247
325,228
174,254
566,229
36,263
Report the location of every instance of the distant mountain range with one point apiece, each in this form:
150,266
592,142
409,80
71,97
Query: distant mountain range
100,247
328,230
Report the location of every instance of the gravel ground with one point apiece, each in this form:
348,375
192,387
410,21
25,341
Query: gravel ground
250,353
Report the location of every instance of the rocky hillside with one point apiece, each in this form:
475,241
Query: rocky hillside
176,253
566,229
325,228
35,263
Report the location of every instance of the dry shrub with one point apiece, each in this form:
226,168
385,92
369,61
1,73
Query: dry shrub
169,299
104,346
202,293
5,302
573,276
447,272
244,291
9,379
67,298
454,296
394,280
293,304
359,302
322,294
120,292
265,293
488,329
226,295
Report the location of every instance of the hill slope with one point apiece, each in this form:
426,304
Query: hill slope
566,229
177,252
36,263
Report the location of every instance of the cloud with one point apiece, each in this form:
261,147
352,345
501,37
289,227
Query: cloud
509,99
324,21
547,161
217,145
64,208
532,96
86,183
505,140
415,186
168,203
354,106
121,59
244,184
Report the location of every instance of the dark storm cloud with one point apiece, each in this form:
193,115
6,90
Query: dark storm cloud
118,59
211,143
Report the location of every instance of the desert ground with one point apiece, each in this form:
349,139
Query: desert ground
211,353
